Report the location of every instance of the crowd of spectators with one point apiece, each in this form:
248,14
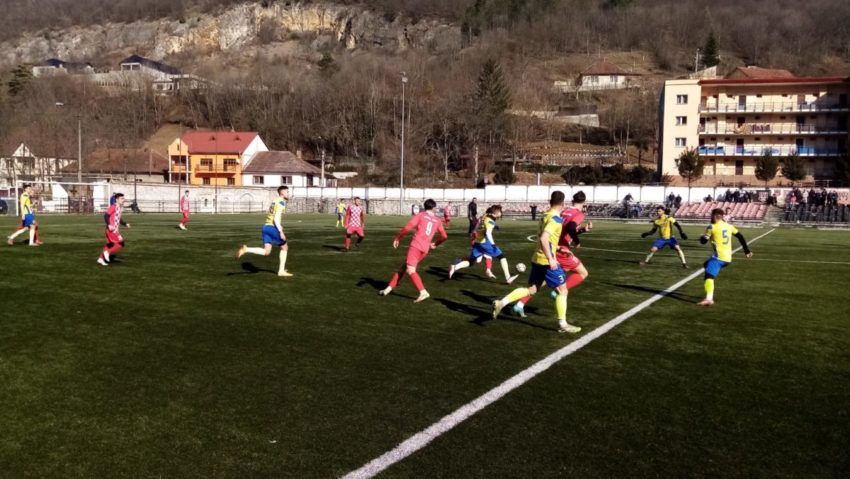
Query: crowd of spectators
813,197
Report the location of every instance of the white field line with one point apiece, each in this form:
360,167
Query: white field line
447,423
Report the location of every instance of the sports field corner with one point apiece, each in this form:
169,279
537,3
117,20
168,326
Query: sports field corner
180,361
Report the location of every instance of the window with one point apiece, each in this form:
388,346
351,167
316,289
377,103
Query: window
681,142
231,181
285,180
612,79
258,180
230,164
206,164
681,120
681,99
206,181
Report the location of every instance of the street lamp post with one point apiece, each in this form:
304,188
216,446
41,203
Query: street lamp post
401,174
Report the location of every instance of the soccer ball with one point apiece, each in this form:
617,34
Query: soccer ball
520,267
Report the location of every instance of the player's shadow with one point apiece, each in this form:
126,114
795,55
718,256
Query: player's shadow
443,274
687,298
620,260
250,268
378,285
482,316
333,247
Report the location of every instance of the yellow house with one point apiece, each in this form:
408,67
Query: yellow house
212,157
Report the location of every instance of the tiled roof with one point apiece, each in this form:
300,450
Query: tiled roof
604,68
280,162
119,160
758,73
218,142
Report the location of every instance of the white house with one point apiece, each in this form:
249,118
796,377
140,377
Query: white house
276,168
55,66
605,75
23,164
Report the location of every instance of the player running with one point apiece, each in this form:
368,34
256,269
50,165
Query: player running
184,208
114,240
28,222
545,267
663,223
573,226
484,246
720,233
273,233
340,212
355,221
427,224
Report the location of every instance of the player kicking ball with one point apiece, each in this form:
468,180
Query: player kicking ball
484,246
355,221
573,226
184,209
273,233
545,267
114,240
720,233
663,223
427,224
28,221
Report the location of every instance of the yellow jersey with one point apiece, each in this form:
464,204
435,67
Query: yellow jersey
551,223
665,226
276,211
720,234
340,208
26,204
484,233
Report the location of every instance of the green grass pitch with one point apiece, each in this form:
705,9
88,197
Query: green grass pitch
183,362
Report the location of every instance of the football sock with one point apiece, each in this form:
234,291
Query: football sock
709,289
682,256
574,280
394,281
259,251
561,306
516,295
461,265
505,268
282,266
648,257
32,236
417,281
347,243
37,236
114,249
17,233
359,239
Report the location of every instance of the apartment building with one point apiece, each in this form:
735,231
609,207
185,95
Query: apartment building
212,157
734,120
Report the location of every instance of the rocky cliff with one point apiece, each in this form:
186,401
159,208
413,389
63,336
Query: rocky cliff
236,28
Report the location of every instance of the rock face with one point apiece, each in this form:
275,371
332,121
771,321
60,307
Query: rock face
234,29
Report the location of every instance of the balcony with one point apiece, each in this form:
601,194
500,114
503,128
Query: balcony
773,129
216,169
771,107
808,151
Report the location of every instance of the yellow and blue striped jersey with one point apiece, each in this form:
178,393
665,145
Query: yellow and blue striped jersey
484,233
665,226
26,204
720,234
340,208
551,223
276,211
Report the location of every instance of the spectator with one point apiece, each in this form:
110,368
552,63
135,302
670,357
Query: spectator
708,199
678,201
472,214
627,200
671,200
637,209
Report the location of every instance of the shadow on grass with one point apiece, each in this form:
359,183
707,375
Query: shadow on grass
687,298
378,285
334,247
250,268
443,274
482,316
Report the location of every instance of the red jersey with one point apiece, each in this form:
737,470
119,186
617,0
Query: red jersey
354,216
184,204
113,218
569,215
427,225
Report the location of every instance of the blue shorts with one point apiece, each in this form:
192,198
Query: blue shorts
713,267
660,243
272,236
541,273
27,220
485,249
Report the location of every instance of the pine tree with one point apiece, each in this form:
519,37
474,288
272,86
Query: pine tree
767,166
491,100
794,168
21,76
690,165
710,52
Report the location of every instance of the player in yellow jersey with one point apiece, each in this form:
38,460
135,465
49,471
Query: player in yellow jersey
720,233
28,222
484,246
545,267
273,233
340,213
663,223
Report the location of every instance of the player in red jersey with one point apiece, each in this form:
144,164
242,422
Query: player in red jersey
447,215
184,208
355,221
427,224
114,240
573,218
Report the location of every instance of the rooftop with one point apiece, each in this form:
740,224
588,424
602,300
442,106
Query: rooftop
218,142
280,162
120,160
605,67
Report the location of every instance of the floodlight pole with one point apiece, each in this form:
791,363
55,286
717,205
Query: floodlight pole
401,174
